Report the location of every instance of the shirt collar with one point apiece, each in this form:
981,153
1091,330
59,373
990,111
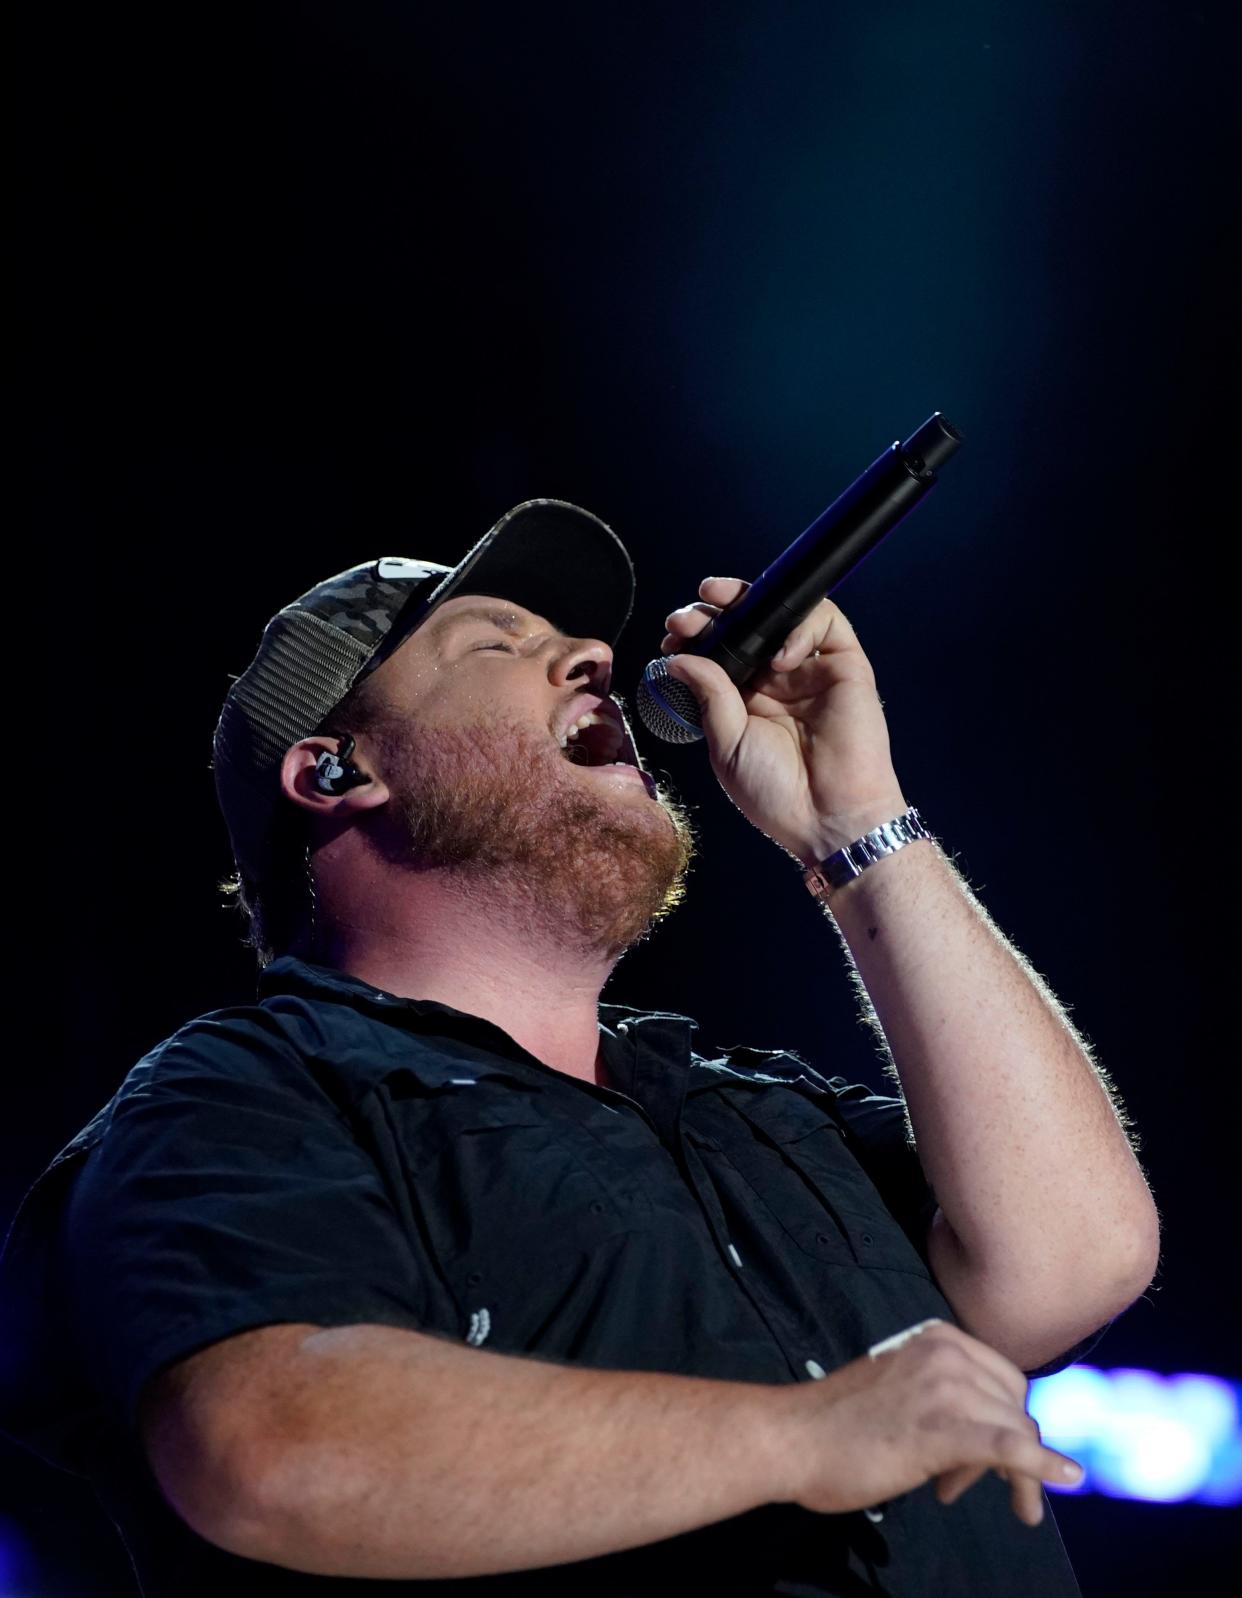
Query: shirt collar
288,974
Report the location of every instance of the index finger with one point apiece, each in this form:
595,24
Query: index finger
722,591
1026,1495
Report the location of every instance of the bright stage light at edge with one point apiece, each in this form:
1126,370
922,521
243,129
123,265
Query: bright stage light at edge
1165,1439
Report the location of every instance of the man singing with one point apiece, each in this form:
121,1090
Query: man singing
430,1268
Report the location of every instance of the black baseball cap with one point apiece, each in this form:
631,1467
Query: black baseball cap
546,555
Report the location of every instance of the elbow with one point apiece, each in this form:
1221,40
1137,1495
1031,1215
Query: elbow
218,1496
1104,1267
276,1515
250,1511
1139,1258
1120,1263
1100,1282
1033,1311
249,1524
210,1479
1100,1286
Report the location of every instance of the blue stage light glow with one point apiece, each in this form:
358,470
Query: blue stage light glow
1162,1439
14,1558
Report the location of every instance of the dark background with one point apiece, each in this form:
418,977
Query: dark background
304,284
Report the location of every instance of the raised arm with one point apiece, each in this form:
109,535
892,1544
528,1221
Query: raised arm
1046,1228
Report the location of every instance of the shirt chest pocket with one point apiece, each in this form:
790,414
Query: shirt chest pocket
510,1194
797,1161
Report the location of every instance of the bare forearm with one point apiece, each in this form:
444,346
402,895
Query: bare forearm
397,1455
1045,1212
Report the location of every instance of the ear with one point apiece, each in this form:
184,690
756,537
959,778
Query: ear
298,784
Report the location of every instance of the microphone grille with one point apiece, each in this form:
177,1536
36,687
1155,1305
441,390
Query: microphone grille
667,708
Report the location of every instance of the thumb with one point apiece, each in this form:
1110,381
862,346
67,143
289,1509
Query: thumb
720,705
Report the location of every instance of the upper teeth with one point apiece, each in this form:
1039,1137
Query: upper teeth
591,719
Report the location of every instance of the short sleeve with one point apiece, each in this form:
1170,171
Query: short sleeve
227,1193
1071,1356
879,1135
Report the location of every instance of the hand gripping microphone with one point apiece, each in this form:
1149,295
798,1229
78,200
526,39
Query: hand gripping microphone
744,637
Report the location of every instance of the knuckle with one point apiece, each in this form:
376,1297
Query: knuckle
1008,1446
943,1358
939,1417
941,1386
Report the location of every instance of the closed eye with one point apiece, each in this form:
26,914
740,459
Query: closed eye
508,648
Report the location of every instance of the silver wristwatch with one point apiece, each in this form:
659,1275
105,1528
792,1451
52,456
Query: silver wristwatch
853,860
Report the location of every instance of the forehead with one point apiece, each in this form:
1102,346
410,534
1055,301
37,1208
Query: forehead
413,669
491,609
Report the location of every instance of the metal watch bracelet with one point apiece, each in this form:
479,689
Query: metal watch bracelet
846,864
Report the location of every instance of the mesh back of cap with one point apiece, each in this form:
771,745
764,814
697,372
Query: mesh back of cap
304,667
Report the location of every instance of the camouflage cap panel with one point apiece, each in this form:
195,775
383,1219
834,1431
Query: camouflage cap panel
310,655
363,600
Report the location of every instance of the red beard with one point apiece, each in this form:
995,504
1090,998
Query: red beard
557,850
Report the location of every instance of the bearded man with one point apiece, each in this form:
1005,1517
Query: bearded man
431,1269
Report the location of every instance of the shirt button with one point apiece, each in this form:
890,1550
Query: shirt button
815,1369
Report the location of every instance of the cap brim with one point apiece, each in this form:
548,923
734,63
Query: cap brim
548,556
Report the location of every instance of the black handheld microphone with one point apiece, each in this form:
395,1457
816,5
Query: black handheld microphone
744,637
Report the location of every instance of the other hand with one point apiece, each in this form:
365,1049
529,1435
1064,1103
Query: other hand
939,1405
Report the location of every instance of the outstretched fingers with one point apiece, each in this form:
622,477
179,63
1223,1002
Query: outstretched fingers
986,1396
1013,1450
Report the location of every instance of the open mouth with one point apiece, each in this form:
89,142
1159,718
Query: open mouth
599,738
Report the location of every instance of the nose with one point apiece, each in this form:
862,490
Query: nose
585,661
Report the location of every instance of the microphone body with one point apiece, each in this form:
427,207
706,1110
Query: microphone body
743,638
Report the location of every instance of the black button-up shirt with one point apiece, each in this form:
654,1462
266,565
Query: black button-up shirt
336,1155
